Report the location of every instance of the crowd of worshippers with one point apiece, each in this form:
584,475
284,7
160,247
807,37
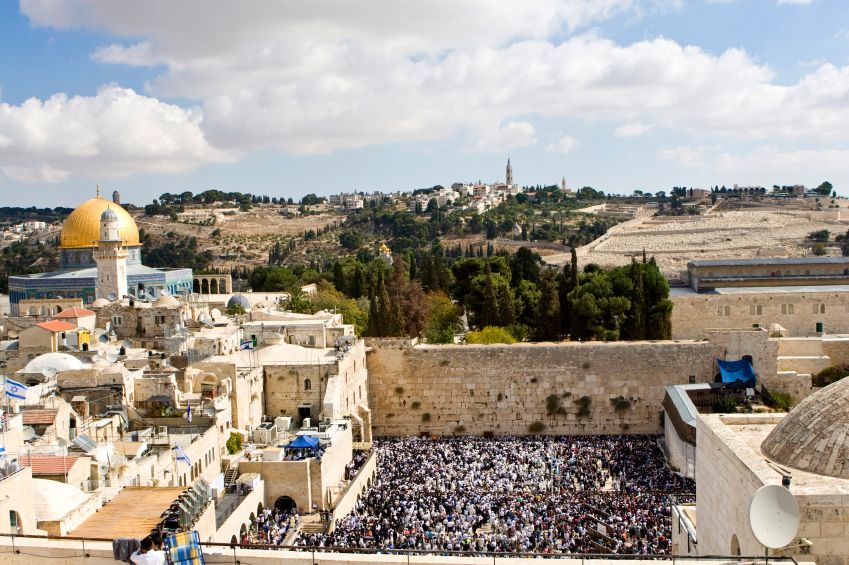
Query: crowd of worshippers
270,527
587,494
356,463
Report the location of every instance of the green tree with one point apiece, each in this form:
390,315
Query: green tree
547,327
634,326
489,335
443,319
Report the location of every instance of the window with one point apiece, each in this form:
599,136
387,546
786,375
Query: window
789,308
760,310
728,310
822,308
312,340
692,379
15,522
719,311
117,320
816,308
307,384
159,320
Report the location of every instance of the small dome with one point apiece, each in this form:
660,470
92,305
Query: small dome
53,500
99,303
108,214
273,339
58,361
240,300
166,301
812,437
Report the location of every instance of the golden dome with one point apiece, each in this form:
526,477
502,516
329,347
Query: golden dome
82,228
384,249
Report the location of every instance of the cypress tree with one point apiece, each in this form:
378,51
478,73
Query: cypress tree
574,268
489,308
548,322
635,322
373,327
384,310
339,277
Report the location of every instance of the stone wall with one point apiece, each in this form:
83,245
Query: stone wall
694,314
504,389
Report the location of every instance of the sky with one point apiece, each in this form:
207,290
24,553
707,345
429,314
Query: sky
285,98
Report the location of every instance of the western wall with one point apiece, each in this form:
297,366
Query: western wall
569,387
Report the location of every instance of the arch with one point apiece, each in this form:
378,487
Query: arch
196,290
58,309
307,384
15,522
213,286
204,286
222,286
285,504
735,545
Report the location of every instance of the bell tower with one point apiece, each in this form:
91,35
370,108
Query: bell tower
509,173
111,257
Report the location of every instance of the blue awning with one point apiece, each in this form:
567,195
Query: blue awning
303,442
737,372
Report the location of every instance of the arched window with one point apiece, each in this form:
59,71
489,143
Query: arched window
760,310
728,310
789,308
15,522
822,308
307,384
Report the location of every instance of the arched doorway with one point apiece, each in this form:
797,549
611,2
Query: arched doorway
196,286
285,504
213,286
735,545
204,286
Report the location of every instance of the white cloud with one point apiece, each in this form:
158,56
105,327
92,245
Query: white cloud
688,155
564,145
314,77
508,136
115,133
633,129
794,2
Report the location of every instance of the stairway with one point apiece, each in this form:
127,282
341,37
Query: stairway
231,475
802,355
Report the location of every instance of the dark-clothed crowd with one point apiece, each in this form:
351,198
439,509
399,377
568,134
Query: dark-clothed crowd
587,494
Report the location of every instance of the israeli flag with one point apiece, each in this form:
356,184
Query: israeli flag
183,456
15,389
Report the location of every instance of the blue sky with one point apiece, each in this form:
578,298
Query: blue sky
283,99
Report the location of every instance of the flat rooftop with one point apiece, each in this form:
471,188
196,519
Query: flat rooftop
279,354
784,289
765,261
131,514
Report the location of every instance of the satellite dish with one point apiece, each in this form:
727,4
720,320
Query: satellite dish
103,338
112,297
112,358
49,372
127,344
774,516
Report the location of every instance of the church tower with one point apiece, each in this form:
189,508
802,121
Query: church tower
509,173
111,258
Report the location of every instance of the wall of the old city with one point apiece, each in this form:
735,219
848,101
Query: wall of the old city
504,389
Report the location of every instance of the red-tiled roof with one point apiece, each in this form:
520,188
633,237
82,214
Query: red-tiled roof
39,417
48,464
74,312
56,326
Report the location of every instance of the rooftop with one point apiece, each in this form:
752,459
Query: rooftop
38,417
75,312
785,289
766,261
48,464
56,326
132,513
280,354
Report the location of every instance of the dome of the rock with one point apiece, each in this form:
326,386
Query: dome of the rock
82,227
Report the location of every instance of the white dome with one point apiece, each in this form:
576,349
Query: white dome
100,303
166,301
58,361
53,500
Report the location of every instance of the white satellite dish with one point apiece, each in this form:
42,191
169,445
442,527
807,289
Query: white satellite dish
49,372
112,358
774,516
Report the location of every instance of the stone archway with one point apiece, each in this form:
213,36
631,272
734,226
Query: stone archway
196,286
285,504
213,286
204,286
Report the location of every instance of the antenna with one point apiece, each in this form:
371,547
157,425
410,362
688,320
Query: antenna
774,516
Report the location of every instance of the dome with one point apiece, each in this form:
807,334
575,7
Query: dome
53,500
241,300
108,214
58,361
166,301
82,227
812,437
100,303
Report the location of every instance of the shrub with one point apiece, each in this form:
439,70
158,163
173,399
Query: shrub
819,249
620,403
490,334
783,401
726,406
536,427
586,365
399,390
234,443
416,405
444,363
830,375
459,429
426,417
552,403
500,397
584,406
820,235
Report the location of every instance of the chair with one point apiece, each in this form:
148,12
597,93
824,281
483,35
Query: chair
183,548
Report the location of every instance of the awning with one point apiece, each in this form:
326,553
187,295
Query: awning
737,372
304,442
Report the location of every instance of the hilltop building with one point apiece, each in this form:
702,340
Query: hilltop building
98,237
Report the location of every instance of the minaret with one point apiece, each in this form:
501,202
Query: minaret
509,172
111,258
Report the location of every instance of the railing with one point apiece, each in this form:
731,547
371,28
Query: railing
96,550
227,505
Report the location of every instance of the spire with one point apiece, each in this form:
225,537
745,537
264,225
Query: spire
98,190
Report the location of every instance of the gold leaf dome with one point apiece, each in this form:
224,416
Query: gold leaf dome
82,228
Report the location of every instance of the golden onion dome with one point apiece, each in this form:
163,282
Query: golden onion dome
384,249
82,228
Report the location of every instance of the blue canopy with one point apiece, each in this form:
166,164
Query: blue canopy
737,372
303,442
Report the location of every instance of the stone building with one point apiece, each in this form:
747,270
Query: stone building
708,274
739,453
